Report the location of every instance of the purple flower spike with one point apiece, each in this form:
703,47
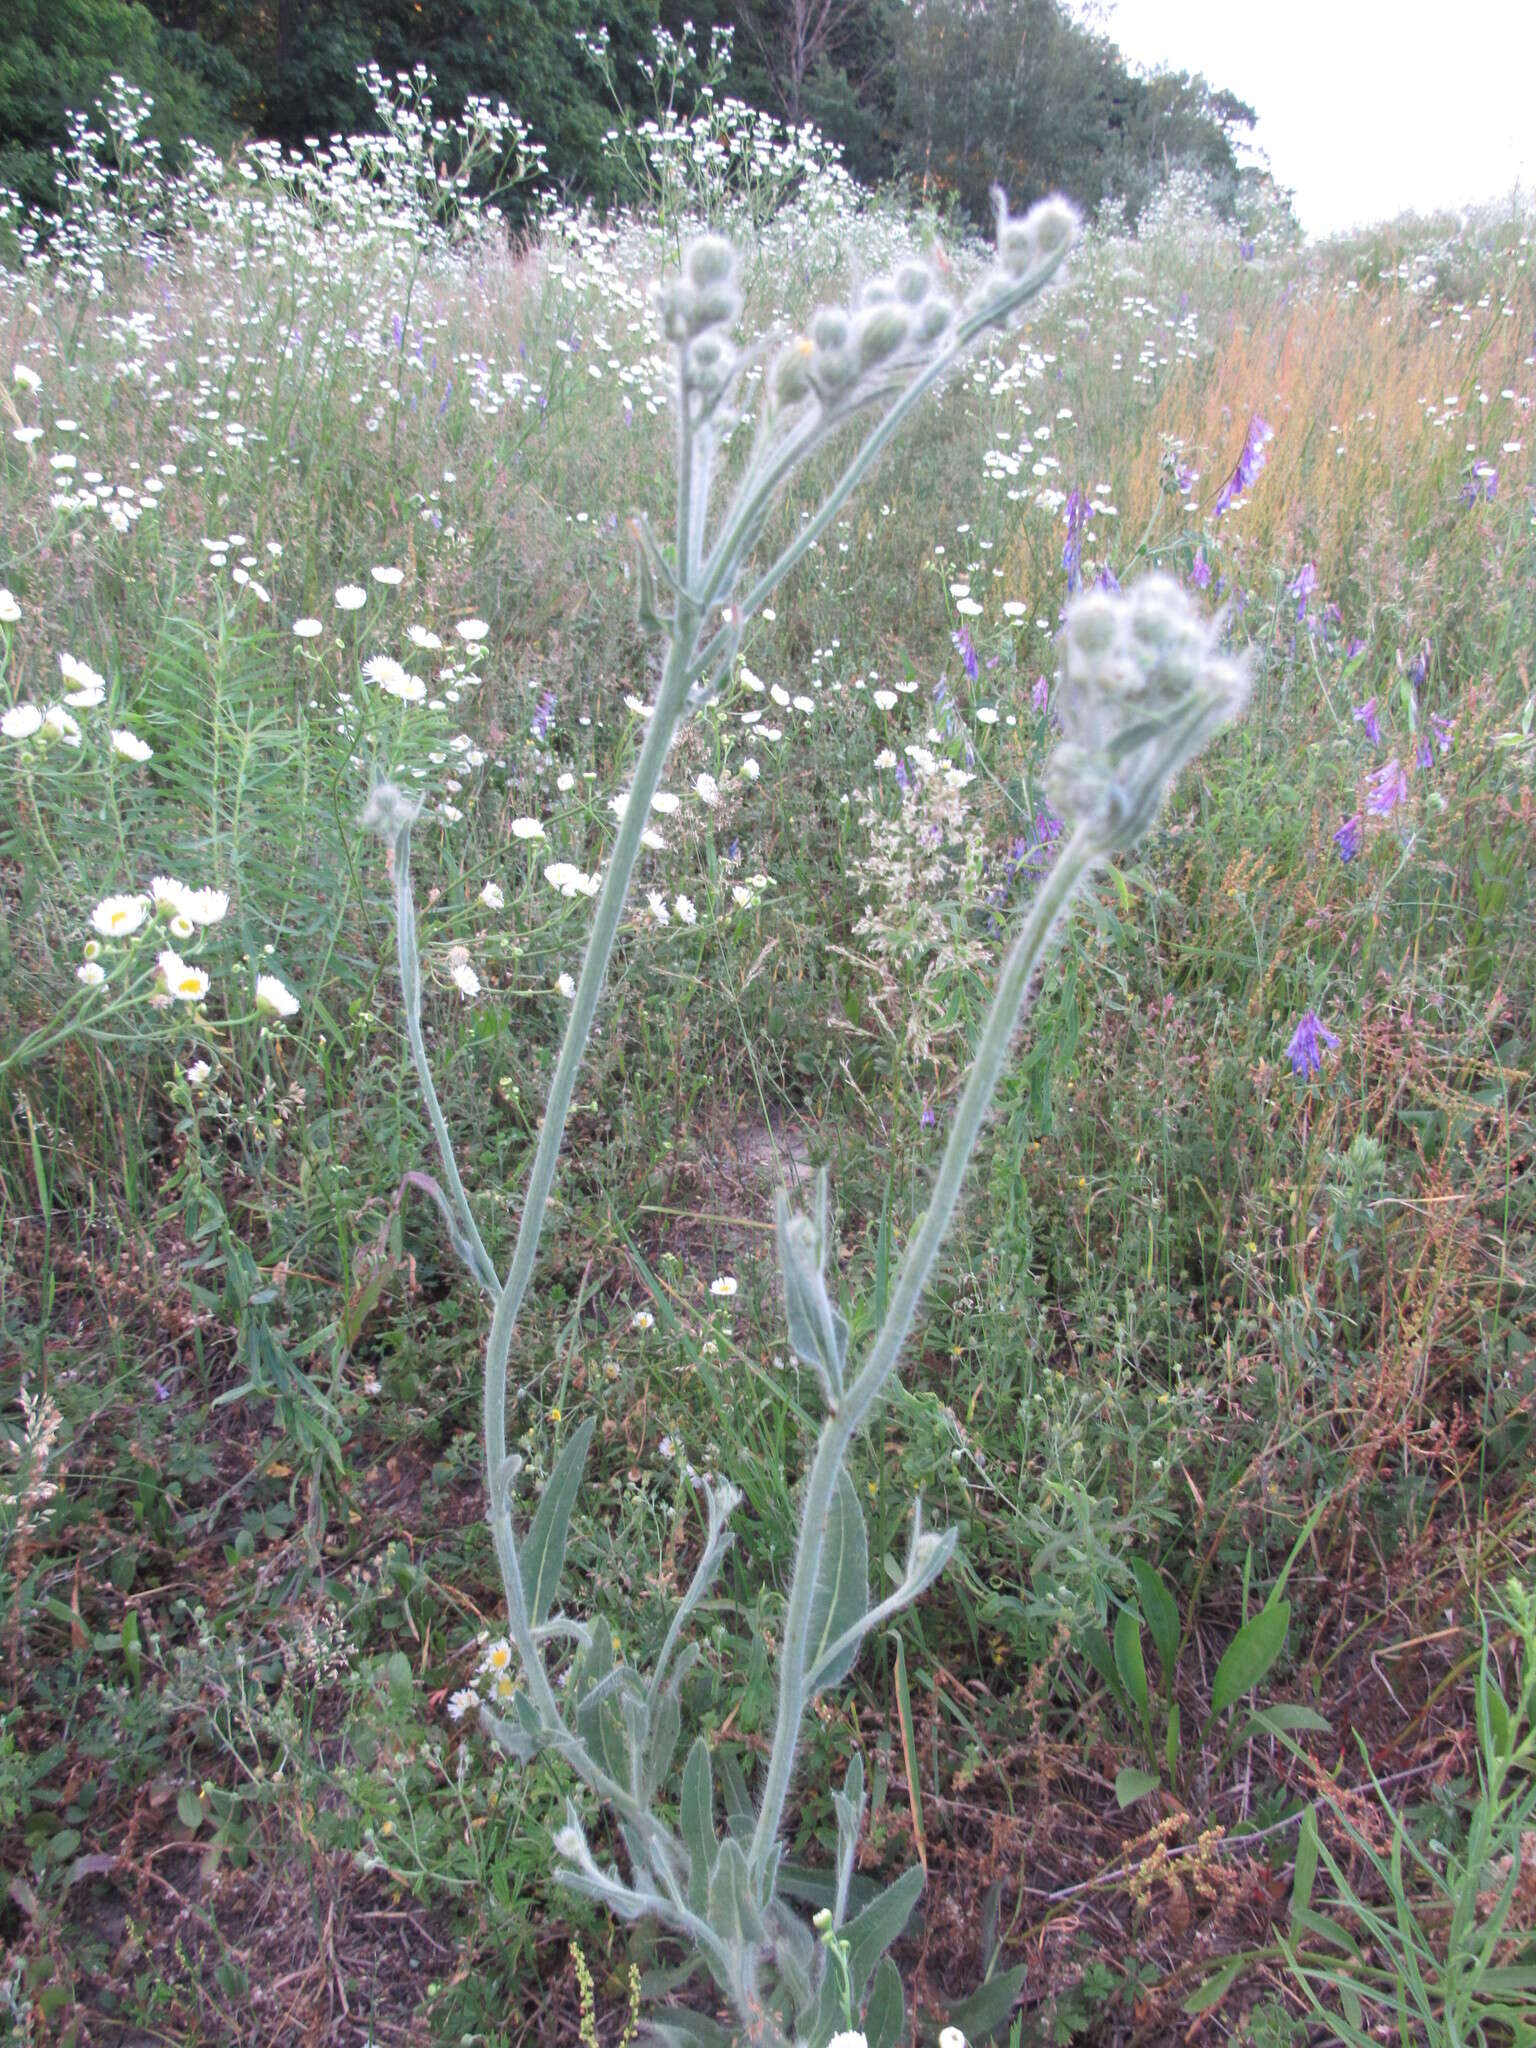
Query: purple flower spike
1442,728
1385,789
1040,695
1303,587
1200,571
1347,838
1079,512
966,648
1250,465
1305,1051
1365,714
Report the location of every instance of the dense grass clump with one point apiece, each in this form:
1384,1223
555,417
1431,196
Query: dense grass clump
1227,1380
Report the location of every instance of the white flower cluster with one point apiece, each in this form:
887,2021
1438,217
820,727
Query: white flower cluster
47,723
170,910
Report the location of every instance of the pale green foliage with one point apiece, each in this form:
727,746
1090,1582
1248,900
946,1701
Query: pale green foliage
1146,687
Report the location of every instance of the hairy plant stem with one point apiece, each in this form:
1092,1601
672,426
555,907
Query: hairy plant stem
594,968
1011,1000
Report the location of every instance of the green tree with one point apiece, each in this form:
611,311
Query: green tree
57,55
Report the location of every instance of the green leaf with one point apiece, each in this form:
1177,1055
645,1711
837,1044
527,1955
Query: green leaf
1162,1613
990,2006
543,1549
818,1331
871,1932
1129,1661
1250,1653
189,1807
1131,1785
697,1819
1096,1649
841,1596
1171,1744
1285,1717
1214,1989
733,1912
1306,1866
1493,1723
886,2014
683,2029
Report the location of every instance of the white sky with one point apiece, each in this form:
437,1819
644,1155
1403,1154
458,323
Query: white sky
1367,108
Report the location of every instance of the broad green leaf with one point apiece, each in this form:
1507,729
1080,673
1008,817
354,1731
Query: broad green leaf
1096,1649
738,1798
886,2014
1162,1614
696,1817
1214,1989
841,1596
1493,1724
1129,1661
1306,1866
871,1932
542,1553
1131,1785
1250,1653
990,2006
733,1911
1305,1921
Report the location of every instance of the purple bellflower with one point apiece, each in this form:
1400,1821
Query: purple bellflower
1365,714
1308,1040
1250,465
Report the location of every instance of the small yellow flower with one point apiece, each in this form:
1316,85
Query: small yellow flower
554,1414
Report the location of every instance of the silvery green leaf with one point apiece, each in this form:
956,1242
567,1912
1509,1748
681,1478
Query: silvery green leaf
543,1548
666,1726
886,2013
818,1332
509,1739
696,1817
849,1807
794,1955
682,2029
733,1912
882,1921
841,1595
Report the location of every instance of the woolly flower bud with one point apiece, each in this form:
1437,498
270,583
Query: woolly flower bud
388,812
710,362
716,307
914,282
1046,231
791,379
830,328
678,307
1142,687
879,333
709,261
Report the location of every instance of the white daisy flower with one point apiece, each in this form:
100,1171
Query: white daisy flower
90,688
527,828
308,629
169,897
708,790
350,597
388,576
91,972
885,700
58,725
206,906
273,996
751,768
642,1319
21,721
471,630
186,984
492,897
10,610
723,1286
566,986
420,637
658,906
685,909
197,1074
26,376
130,746
463,1702
665,803
119,917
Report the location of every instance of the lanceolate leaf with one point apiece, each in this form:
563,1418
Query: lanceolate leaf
871,1933
543,1548
697,1818
1250,1653
841,1598
886,2013
1162,1616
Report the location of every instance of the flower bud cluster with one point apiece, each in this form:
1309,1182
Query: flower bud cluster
899,318
1142,686
1030,246
698,308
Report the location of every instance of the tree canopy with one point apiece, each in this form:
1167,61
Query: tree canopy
952,96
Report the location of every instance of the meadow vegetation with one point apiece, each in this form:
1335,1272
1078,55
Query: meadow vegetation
311,472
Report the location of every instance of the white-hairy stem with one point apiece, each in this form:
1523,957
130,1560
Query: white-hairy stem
1009,1003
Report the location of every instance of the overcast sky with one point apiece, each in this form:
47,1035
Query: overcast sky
1367,108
